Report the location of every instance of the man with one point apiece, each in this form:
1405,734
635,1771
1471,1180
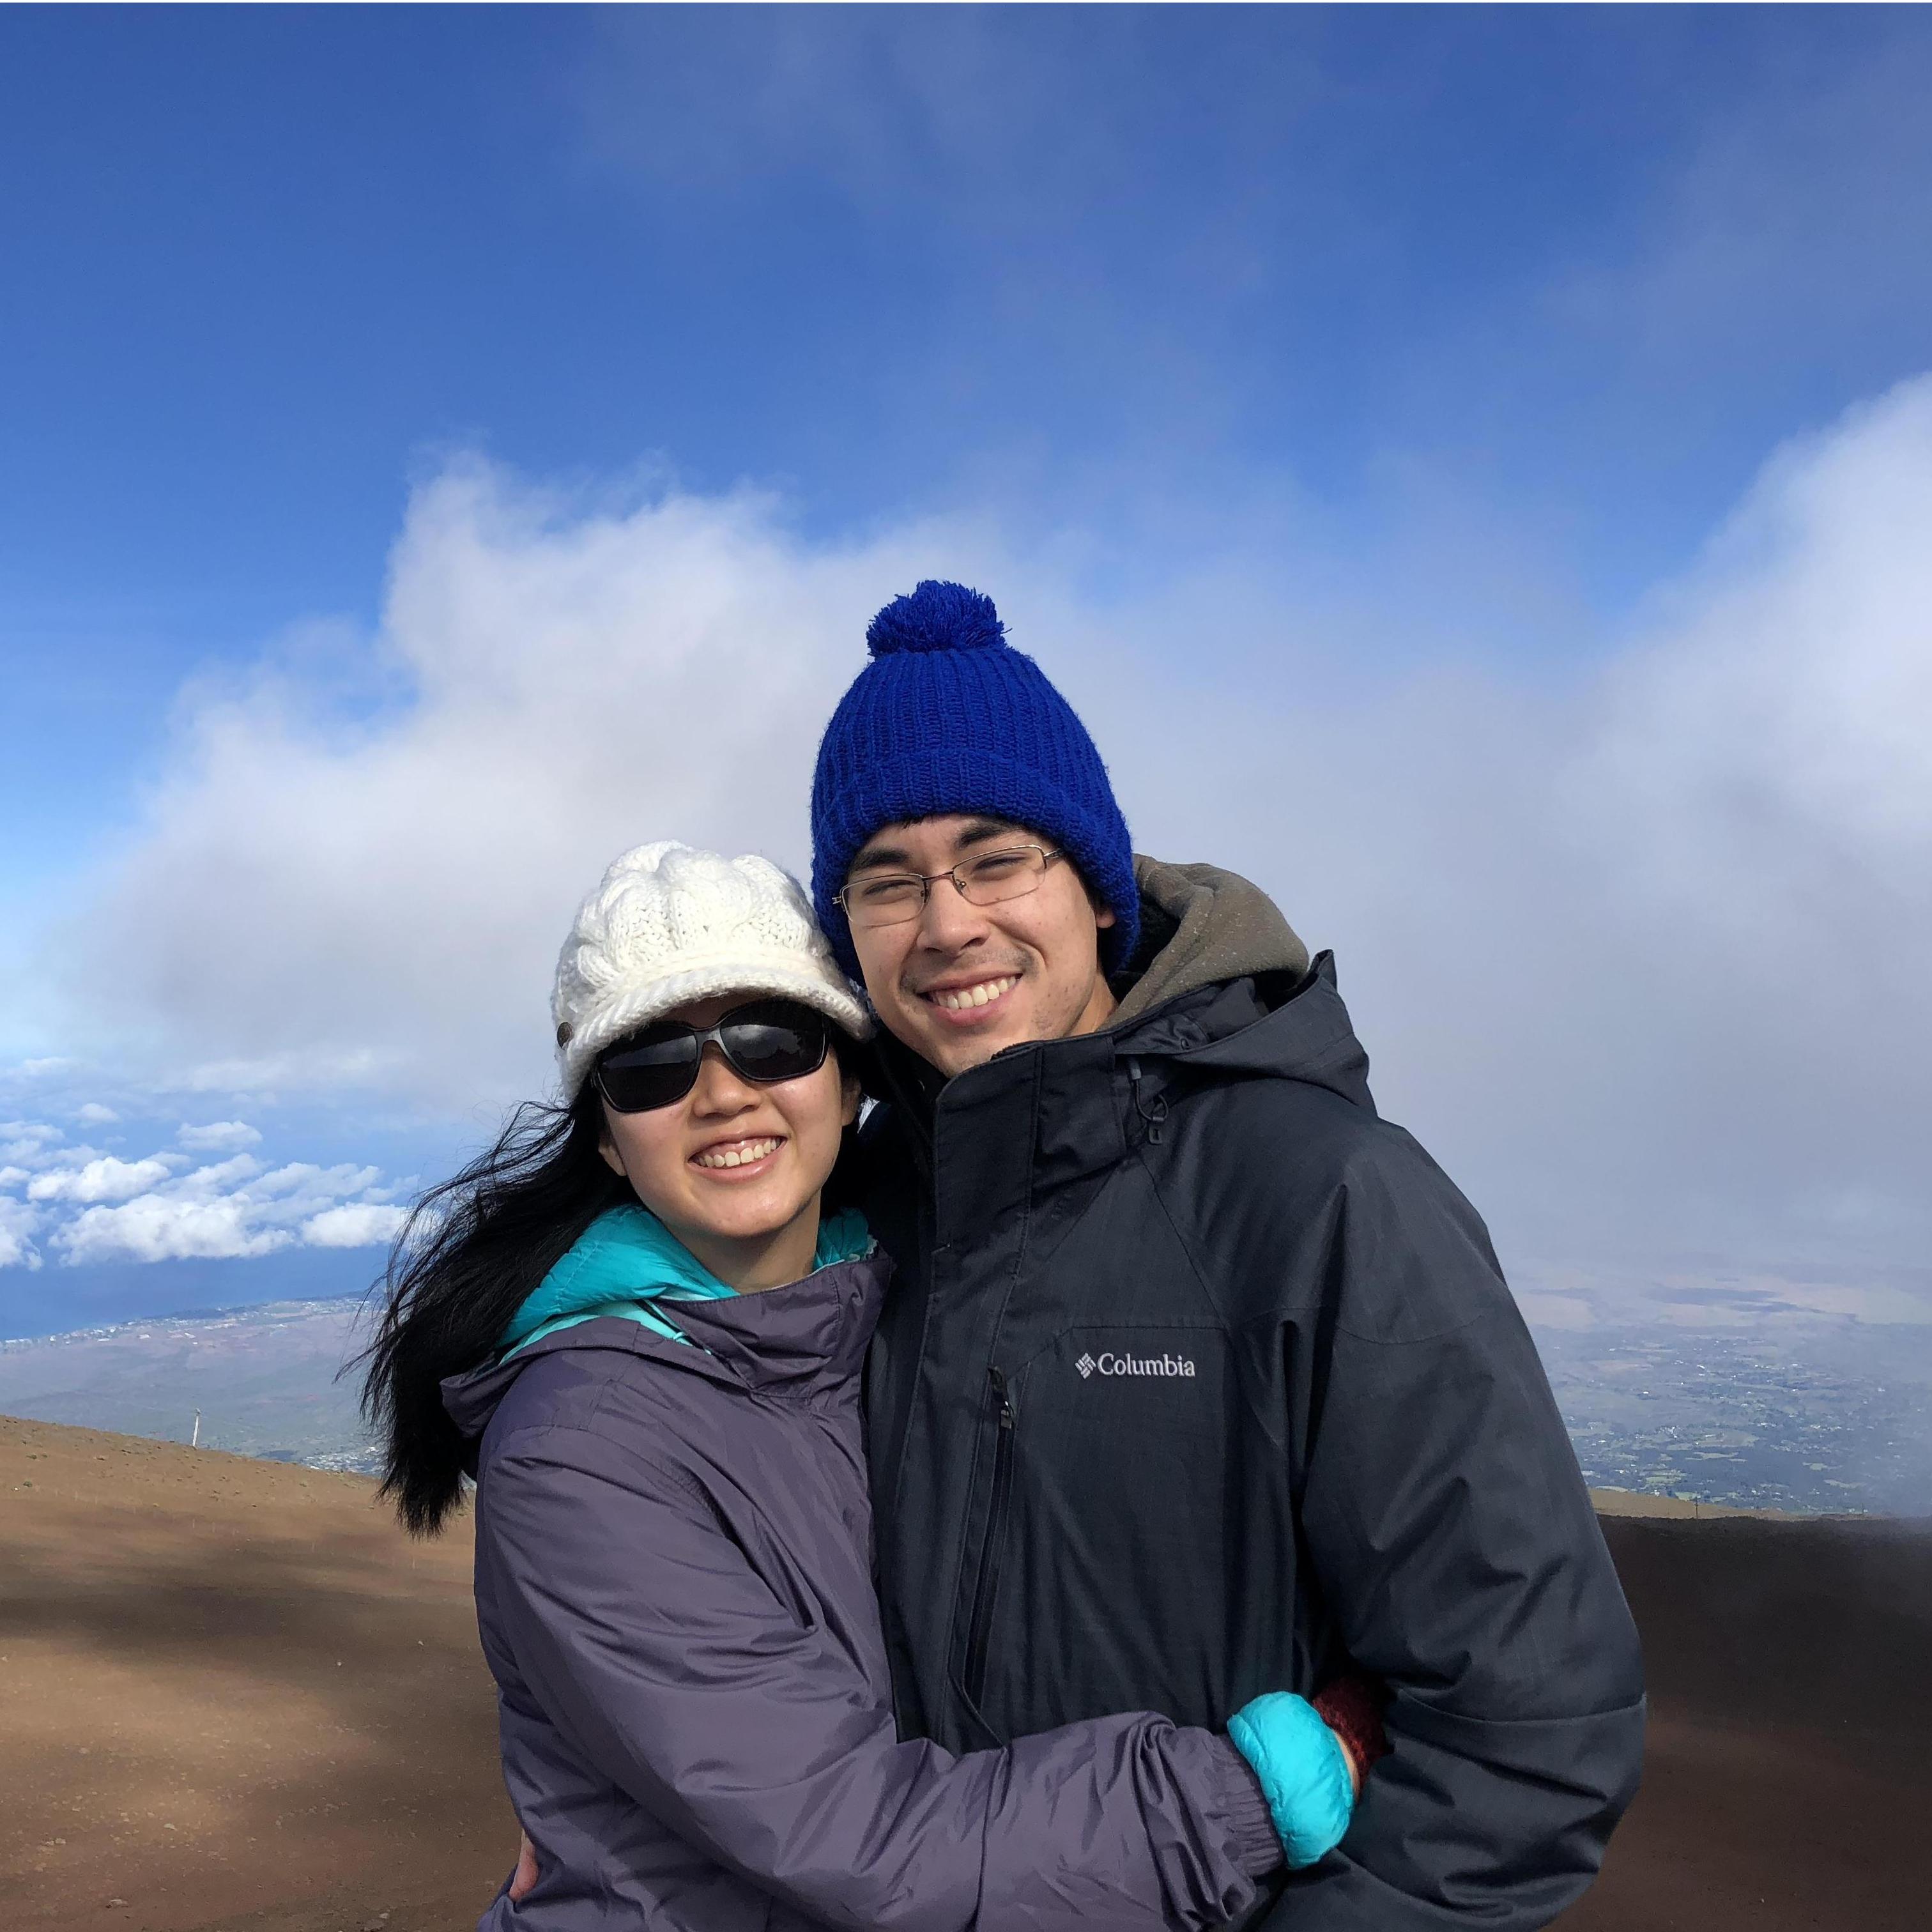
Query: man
1198,1378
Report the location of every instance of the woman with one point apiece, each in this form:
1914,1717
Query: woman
640,1322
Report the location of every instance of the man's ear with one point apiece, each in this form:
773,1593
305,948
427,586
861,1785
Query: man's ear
1103,917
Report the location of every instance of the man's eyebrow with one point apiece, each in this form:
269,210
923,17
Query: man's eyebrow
981,829
895,856
977,832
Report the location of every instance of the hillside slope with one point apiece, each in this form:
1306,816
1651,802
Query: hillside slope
231,1691
233,1694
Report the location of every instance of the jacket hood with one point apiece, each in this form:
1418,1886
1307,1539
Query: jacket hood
1230,990
605,1294
1200,927
1259,1026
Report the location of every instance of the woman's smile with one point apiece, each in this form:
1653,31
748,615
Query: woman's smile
740,1159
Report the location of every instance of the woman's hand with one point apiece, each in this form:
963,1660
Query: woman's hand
524,1881
1350,1708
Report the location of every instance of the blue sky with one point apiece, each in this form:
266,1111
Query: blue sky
1354,357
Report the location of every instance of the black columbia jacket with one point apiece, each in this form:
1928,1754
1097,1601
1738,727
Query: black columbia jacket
1201,1379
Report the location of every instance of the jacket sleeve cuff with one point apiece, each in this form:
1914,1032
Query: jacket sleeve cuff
1252,1842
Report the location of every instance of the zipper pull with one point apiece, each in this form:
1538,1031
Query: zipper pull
1000,1397
1152,1112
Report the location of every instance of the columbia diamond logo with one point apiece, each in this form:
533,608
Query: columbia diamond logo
1085,1366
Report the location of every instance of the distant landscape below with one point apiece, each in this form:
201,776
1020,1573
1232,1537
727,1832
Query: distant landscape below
1781,1423
1738,1397
265,1382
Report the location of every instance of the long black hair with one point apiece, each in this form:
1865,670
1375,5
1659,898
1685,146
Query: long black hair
472,1249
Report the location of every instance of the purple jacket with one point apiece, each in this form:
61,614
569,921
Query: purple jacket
675,1594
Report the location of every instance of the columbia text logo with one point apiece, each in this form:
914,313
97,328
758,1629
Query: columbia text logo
1112,1364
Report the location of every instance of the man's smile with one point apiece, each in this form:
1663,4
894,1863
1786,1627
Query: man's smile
974,996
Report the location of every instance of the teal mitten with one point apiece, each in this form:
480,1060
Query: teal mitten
1303,1769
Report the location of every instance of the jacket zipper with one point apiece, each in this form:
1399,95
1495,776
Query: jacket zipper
986,1585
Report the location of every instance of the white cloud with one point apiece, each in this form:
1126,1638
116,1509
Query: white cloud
18,1225
219,1137
1643,961
1642,956
367,1225
302,1188
380,899
158,1227
28,1141
93,1115
205,1182
104,1178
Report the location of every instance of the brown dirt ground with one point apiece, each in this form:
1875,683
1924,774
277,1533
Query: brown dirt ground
232,1695
1786,1784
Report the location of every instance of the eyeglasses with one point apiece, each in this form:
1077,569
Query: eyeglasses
764,1040
893,898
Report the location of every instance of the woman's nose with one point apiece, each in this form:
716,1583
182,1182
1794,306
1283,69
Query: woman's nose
720,1087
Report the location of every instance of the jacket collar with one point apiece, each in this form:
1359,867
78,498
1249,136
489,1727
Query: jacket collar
627,1261
795,1343
1036,1118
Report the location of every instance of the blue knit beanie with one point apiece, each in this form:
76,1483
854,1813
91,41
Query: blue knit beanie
948,717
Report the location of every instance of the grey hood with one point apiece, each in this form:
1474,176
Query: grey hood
1201,926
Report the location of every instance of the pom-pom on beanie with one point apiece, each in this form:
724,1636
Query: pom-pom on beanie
948,717
668,925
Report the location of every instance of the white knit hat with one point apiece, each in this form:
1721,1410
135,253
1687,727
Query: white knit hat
669,925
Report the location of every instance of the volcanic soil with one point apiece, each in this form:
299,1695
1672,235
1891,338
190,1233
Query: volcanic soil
233,1695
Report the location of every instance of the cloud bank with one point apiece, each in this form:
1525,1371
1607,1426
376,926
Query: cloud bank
83,1207
1639,949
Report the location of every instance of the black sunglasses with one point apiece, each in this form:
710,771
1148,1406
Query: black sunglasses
765,1040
